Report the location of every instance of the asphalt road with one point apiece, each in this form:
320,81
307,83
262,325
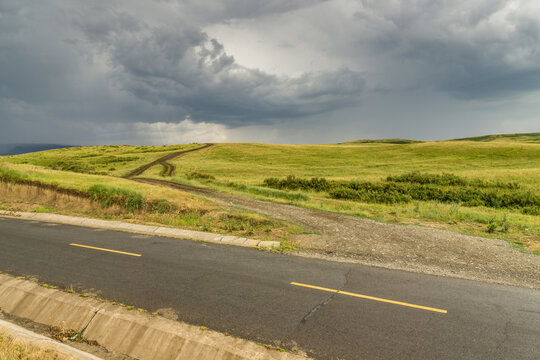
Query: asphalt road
248,293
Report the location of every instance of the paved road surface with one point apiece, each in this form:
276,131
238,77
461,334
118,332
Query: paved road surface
249,294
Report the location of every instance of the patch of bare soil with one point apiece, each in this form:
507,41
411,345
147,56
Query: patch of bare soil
411,248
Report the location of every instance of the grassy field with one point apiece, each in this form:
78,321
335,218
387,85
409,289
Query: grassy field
115,160
243,169
25,187
501,167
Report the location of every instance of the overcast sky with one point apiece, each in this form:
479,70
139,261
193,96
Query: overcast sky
283,71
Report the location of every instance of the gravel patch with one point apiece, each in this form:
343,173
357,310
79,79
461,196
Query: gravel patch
405,247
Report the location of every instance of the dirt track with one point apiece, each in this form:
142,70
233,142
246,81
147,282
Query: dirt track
412,248
168,168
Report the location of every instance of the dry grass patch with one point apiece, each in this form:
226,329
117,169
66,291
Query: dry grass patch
17,349
173,208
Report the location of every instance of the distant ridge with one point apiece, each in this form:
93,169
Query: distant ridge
520,137
523,137
384,141
15,149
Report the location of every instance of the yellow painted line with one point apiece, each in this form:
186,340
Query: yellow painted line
102,249
370,298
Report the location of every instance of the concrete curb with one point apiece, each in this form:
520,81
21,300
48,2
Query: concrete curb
143,229
43,342
138,335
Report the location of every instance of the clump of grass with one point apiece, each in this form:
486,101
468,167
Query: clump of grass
232,223
13,348
199,175
255,190
108,196
12,176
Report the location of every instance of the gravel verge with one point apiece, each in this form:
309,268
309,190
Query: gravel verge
405,247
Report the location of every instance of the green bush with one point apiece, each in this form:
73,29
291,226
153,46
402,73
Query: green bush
447,188
108,196
198,175
293,183
447,179
491,226
531,210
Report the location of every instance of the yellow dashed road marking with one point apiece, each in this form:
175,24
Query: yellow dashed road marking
370,298
102,249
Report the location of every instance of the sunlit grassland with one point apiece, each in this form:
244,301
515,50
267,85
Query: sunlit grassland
190,211
242,168
117,160
252,163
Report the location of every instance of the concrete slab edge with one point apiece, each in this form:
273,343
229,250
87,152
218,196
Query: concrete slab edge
139,335
43,342
143,229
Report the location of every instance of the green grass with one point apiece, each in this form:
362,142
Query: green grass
142,203
99,160
494,164
460,169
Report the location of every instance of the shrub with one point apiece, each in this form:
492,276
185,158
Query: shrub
491,226
291,182
198,175
531,210
344,193
447,188
108,196
447,179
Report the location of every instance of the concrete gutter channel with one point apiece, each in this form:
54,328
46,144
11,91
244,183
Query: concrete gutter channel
143,229
132,333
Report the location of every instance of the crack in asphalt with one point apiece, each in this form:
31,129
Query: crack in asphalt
330,298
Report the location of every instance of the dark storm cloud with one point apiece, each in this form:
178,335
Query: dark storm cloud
479,49
237,9
186,69
77,71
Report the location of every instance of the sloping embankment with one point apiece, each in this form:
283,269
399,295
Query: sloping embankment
135,334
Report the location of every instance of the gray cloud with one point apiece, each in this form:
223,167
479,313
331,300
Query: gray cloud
186,69
77,72
217,11
477,49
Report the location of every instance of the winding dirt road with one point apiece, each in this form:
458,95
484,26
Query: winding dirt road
169,168
411,248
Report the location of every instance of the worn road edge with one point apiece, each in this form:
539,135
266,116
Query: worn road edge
43,342
143,229
135,334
